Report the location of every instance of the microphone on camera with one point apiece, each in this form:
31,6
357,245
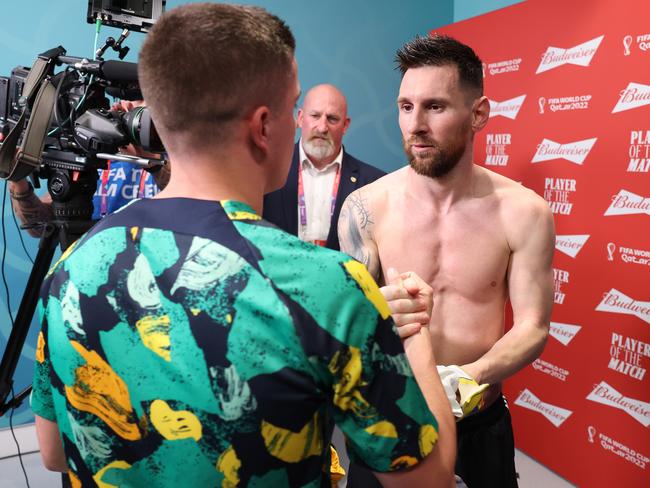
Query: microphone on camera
119,71
111,70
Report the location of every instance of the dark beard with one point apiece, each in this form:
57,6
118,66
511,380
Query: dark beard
439,163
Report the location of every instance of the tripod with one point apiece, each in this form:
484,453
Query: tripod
72,193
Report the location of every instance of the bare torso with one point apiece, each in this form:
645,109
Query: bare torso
462,251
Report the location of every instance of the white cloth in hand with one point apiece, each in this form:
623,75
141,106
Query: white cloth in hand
449,377
464,393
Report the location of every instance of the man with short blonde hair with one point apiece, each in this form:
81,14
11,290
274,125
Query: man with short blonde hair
187,342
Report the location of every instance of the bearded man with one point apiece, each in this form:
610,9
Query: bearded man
322,173
476,237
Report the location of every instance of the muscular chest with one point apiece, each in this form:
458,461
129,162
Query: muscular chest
463,252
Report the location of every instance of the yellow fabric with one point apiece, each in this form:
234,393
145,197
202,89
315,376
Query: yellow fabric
40,348
114,465
154,333
229,465
336,470
99,390
292,447
174,424
360,274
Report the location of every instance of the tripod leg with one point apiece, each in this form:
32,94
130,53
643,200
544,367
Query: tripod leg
26,313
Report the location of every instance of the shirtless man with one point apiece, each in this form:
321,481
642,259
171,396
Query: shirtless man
476,237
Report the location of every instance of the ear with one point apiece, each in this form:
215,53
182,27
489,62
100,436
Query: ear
259,129
480,113
346,124
299,116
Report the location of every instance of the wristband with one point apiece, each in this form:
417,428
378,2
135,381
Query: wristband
22,195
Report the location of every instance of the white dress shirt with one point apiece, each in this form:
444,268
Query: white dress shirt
318,186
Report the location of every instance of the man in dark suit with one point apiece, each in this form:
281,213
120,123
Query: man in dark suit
322,173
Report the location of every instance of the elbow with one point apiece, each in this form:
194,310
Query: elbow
53,463
542,338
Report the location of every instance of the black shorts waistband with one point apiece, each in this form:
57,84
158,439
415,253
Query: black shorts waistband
484,417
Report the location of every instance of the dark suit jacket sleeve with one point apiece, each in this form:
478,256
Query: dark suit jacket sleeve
281,206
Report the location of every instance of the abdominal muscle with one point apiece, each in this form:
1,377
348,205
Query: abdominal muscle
464,257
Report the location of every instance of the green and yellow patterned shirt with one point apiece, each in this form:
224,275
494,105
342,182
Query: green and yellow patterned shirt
190,343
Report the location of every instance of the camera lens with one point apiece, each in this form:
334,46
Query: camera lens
141,130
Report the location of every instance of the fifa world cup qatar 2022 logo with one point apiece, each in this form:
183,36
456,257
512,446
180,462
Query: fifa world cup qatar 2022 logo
627,43
591,432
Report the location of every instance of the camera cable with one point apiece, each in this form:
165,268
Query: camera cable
13,434
4,254
20,236
11,317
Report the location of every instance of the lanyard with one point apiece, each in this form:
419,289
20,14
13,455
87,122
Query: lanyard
103,190
302,206
143,181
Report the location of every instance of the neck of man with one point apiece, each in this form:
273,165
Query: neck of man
215,175
447,190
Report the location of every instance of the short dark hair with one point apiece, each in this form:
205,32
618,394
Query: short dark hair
204,65
440,50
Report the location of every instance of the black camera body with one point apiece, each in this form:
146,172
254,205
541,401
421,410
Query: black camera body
11,88
63,120
59,126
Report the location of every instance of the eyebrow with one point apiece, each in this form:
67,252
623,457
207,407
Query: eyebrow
426,101
327,114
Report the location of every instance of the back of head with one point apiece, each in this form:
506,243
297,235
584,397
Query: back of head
440,50
203,66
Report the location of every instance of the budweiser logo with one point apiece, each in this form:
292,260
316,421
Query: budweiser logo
570,244
579,55
553,414
616,302
563,332
508,108
607,395
575,152
634,96
628,203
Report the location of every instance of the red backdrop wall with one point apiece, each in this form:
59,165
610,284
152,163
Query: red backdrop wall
569,88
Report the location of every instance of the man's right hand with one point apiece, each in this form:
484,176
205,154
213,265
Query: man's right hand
410,300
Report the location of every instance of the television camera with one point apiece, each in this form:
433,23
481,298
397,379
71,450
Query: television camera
60,127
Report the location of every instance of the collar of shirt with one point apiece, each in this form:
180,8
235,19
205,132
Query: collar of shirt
306,162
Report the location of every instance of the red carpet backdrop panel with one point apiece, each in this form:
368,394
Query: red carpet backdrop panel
569,89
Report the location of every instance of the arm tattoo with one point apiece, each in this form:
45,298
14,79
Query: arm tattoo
362,212
32,211
355,224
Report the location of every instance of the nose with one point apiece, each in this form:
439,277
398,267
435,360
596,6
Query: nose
417,122
321,125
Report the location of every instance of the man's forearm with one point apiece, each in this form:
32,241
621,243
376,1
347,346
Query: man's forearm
28,207
49,441
419,352
519,347
161,176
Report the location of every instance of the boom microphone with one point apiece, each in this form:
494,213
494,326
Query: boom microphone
119,71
